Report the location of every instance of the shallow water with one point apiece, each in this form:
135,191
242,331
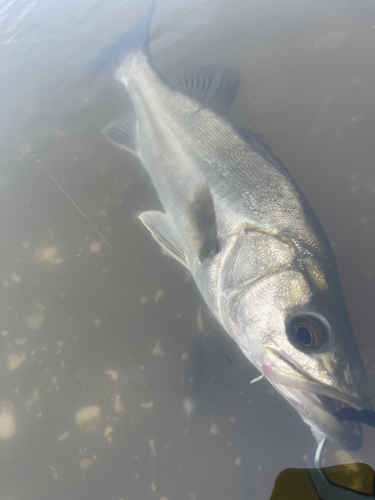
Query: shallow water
101,333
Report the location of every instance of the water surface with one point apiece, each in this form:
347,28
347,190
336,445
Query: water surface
101,332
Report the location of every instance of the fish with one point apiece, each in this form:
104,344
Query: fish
236,219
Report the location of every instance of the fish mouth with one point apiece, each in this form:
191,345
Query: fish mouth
320,405
334,405
320,411
341,401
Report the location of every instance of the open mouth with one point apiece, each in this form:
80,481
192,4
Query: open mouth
349,414
328,410
334,405
330,397
323,414
342,422
341,407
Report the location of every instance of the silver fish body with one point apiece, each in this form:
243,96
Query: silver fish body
237,220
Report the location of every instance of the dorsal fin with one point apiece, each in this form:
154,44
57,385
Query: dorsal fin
201,223
213,86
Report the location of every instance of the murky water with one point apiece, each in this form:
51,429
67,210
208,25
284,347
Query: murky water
115,381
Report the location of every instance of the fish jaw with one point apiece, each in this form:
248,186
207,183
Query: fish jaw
317,403
321,420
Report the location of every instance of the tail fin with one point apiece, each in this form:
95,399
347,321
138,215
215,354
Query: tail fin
112,57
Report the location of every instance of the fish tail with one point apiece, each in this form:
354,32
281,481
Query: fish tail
114,55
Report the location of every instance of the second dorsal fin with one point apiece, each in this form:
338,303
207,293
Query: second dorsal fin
213,86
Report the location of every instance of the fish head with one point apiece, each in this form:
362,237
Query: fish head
291,321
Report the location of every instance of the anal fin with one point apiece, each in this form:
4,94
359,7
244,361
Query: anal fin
159,226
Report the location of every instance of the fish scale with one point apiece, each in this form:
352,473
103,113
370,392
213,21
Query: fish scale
254,180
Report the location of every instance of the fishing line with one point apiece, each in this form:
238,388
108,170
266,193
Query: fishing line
71,200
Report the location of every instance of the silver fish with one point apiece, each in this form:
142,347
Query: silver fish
236,219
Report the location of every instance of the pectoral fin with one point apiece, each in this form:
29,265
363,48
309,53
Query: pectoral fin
122,132
201,223
159,226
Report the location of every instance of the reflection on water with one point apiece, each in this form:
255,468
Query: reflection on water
116,382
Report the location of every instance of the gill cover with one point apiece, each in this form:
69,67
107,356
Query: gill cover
253,255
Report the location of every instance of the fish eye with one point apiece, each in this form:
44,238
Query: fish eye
309,332
304,336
